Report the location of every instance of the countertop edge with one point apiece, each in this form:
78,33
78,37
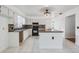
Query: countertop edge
51,31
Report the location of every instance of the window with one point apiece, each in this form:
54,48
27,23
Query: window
19,21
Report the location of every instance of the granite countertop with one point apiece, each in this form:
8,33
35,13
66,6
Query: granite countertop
18,30
51,31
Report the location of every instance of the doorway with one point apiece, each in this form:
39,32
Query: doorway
70,30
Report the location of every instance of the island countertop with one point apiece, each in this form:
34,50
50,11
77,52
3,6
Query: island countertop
51,31
51,39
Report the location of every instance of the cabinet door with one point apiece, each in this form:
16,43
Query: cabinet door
49,40
25,34
11,20
11,14
3,32
13,39
46,40
4,11
58,40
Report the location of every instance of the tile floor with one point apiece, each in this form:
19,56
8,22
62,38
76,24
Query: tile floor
31,45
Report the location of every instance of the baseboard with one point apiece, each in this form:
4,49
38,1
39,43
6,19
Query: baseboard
2,49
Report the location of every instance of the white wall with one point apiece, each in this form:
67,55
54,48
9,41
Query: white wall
77,30
70,26
44,21
76,12
59,23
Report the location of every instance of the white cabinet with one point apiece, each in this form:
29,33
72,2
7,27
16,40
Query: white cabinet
11,13
51,40
4,11
30,32
3,33
10,21
13,39
27,33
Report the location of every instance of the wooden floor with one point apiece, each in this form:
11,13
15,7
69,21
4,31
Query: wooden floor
71,39
31,45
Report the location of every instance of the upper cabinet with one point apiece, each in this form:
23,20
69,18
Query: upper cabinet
11,13
4,11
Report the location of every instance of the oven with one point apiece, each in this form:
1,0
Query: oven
35,29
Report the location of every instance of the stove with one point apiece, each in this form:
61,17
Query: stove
35,29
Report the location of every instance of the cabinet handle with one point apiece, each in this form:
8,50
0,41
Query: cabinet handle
53,38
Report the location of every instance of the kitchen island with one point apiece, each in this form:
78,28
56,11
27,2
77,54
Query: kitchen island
51,39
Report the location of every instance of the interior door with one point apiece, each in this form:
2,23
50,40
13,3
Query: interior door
70,28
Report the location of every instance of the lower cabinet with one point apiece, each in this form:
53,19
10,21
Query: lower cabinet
51,40
13,39
27,33
3,33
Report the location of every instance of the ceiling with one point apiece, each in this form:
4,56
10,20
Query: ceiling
34,10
